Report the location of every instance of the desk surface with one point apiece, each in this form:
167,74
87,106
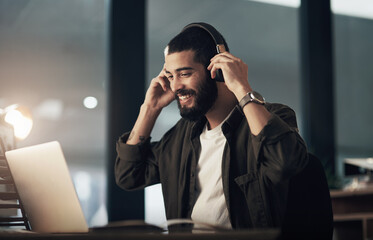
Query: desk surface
265,234
368,190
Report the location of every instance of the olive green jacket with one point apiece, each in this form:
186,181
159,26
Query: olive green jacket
255,169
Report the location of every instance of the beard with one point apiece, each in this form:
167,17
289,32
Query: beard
204,99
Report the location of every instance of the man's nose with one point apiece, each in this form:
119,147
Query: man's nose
176,84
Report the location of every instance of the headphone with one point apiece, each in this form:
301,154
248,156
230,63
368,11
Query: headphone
218,40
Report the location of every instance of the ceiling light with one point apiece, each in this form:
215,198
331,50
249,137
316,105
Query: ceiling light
90,102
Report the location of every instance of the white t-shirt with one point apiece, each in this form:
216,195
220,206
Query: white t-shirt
210,206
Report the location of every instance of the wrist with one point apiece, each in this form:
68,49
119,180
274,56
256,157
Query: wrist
242,92
150,110
251,97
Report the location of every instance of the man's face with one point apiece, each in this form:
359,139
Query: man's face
194,89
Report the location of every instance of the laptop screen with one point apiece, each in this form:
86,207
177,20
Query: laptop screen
45,188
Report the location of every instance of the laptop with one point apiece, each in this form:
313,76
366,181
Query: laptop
46,190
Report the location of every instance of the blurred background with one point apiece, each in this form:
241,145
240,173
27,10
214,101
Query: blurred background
55,61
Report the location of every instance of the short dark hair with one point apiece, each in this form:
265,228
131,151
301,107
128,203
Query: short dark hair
198,40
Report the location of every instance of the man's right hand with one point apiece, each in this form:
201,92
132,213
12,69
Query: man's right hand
158,96
159,93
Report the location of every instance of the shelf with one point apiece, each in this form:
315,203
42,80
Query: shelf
353,217
353,214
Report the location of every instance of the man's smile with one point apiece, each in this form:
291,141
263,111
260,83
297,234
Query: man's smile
184,96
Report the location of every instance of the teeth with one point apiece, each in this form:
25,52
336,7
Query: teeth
183,97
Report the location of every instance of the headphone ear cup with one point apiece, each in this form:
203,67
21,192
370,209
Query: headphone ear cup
219,76
218,40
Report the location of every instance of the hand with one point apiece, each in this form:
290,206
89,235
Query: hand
235,73
159,93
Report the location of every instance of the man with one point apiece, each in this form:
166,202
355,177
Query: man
223,163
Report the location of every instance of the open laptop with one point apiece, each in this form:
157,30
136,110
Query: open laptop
46,190
48,195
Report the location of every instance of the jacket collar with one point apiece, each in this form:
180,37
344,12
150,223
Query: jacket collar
197,127
230,124
233,121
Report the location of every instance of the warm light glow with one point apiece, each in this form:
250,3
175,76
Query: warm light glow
90,102
20,119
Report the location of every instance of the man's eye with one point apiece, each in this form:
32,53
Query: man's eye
170,77
185,74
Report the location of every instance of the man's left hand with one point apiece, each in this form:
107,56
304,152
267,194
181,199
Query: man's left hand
235,73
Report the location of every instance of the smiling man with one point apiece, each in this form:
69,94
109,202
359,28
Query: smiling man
191,104
229,159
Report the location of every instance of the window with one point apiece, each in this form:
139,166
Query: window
353,46
53,54
264,35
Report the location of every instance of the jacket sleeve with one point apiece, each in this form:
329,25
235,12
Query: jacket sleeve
280,150
135,166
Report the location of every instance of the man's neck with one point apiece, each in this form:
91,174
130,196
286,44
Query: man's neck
220,110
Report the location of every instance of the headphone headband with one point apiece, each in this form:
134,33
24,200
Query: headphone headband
216,36
218,40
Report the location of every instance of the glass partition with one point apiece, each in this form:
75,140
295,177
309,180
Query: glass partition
353,57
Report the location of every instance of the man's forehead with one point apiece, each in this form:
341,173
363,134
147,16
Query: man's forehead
177,60
186,54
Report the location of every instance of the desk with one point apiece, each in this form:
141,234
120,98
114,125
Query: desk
268,234
353,213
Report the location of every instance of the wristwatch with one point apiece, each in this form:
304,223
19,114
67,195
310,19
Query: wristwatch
252,96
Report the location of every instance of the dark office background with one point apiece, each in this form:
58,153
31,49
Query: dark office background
53,54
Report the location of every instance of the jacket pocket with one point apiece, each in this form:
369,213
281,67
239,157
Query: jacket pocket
249,185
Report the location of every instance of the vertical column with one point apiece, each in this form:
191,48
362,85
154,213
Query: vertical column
317,79
125,95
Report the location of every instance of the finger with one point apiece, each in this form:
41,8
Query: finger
162,73
211,65
222,59
226,56
213,68
229,55
163,83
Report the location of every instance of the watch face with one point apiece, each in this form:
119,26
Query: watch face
251,97
257,97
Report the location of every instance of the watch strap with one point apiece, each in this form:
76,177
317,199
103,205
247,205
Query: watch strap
250,97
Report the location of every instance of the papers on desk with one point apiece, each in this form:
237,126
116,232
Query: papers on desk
361,162
358,183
